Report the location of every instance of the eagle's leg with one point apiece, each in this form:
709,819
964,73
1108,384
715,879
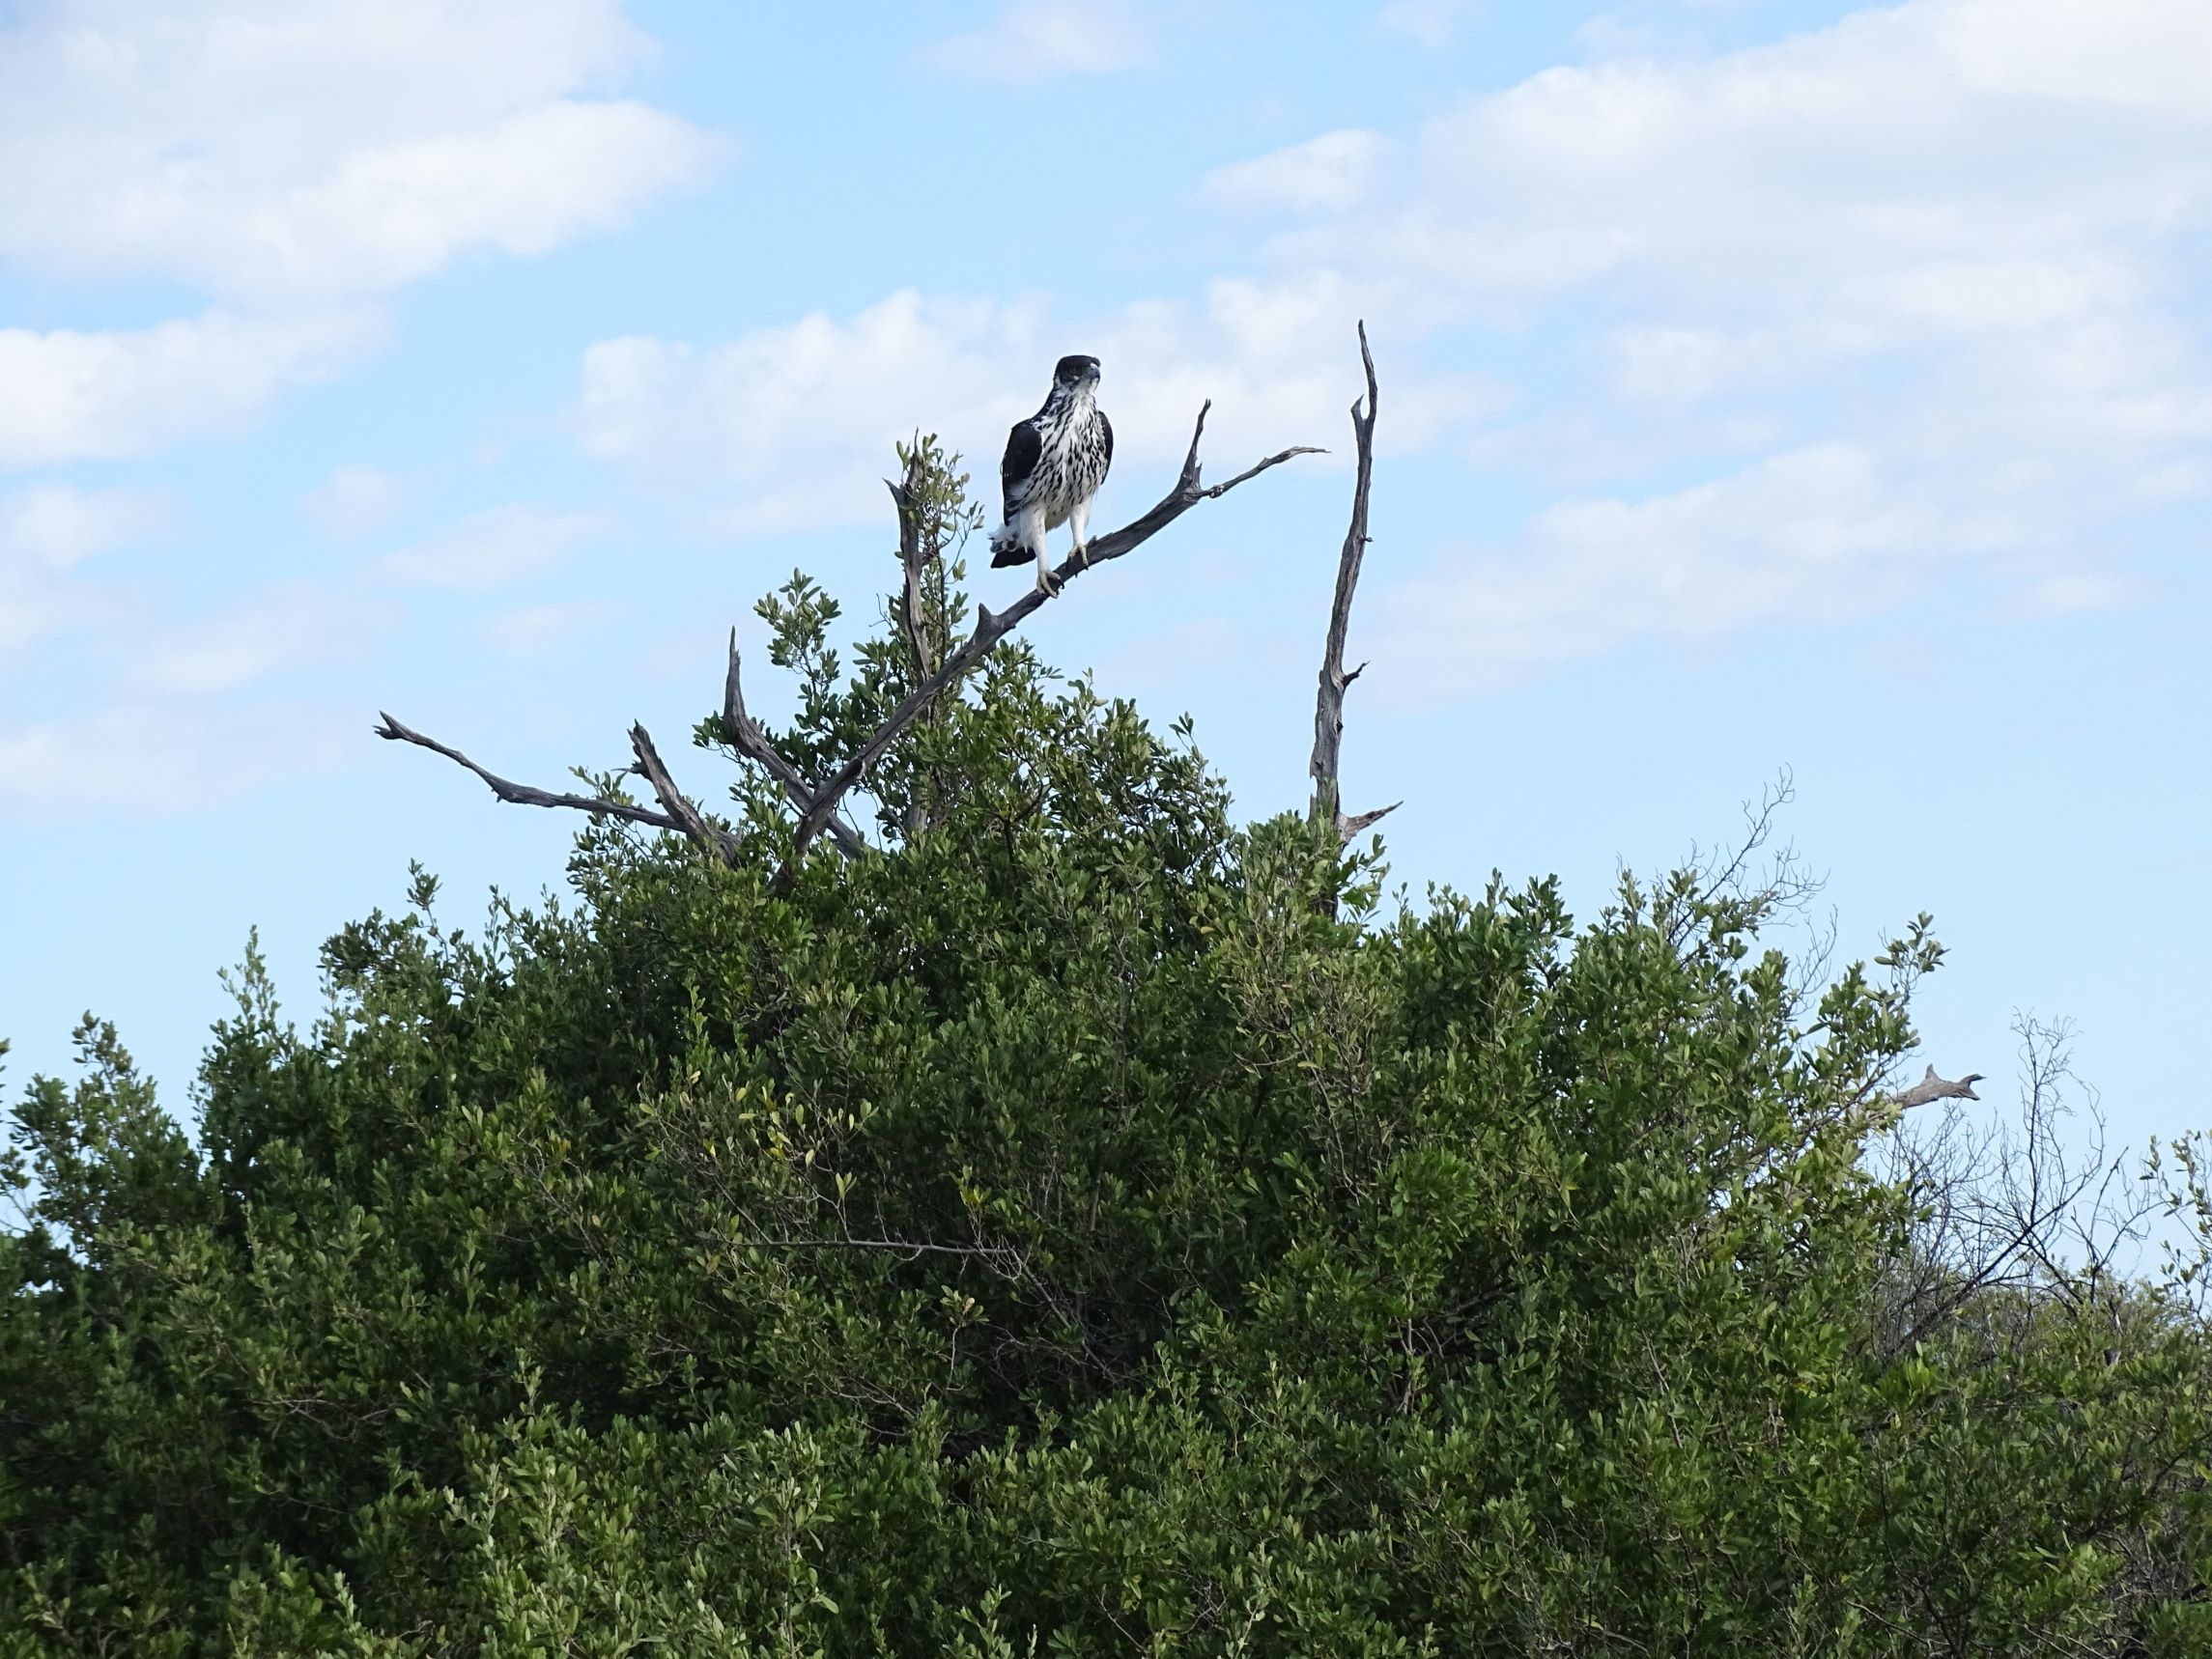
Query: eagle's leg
1079,522
1044,583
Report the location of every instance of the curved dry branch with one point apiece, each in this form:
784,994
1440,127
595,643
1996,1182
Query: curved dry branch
689,822
991,627
750,741
1329,704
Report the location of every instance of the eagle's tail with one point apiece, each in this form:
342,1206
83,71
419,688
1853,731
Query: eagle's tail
1006,547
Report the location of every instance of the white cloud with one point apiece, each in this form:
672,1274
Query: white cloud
298,163
279,628
102,395
1033,40
260,148
1434,23
1949,238
353,500
48,529
161,758
57,526
1332,172
495,547
1814,535
821,400
536,628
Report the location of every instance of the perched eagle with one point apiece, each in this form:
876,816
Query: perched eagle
1054,463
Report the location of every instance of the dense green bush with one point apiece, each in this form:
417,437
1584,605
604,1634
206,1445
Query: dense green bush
1065,1233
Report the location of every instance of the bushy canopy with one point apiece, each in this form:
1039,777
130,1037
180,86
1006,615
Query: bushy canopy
1065,1233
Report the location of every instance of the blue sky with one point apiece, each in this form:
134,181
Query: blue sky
1765,386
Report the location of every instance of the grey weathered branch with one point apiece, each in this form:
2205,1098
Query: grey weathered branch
1329,704
911,557
1933,1087
687,822
750,741
708,837
991,627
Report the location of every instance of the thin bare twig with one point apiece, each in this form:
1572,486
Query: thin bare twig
991,627
1328,705
750,741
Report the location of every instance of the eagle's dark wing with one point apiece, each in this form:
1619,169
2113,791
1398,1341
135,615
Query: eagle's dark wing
1025,445
1106,432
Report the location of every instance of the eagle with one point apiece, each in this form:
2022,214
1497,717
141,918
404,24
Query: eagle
1054,464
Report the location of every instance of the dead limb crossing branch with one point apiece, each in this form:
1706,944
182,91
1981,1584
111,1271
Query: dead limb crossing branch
991,627
1328,705
750,741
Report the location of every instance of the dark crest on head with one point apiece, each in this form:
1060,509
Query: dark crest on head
1069,370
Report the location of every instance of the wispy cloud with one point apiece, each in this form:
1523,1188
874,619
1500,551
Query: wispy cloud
1330,173
48,529
1434,23
353,500
56,525
99,395
282,627
495,547
1033,41
537,629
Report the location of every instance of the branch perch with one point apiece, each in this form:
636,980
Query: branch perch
991,626
1329,704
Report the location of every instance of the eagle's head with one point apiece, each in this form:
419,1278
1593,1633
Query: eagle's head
1075,373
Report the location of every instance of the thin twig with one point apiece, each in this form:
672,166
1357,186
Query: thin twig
991,627
1329,704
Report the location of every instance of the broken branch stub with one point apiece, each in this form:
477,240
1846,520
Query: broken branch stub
1933,1087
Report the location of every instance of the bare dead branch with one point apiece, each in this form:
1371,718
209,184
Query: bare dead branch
911,554
1329,704
991,627
1933,1087
750,741
708,838
526,795
1347,828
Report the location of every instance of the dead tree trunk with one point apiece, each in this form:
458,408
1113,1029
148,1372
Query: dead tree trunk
1328,705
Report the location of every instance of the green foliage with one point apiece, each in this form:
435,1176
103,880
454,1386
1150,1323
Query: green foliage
1065,1233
